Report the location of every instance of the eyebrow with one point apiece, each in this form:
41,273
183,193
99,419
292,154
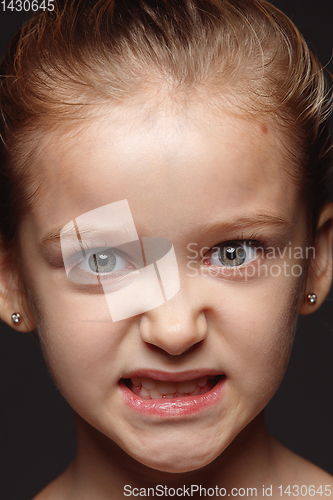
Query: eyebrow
254,221
57,234
53,236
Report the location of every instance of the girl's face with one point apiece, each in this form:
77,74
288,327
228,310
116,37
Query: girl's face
200,182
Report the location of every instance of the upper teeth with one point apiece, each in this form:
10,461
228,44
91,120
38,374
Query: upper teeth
149,388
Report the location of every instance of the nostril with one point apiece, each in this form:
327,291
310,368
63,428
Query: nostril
174,347
171,334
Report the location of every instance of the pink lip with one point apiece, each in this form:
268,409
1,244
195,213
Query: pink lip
171,376
177,407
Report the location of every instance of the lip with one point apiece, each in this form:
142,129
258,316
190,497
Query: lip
172,376
173,408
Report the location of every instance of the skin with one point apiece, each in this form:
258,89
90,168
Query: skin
185,175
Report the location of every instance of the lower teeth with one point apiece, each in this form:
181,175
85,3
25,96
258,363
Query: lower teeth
146,394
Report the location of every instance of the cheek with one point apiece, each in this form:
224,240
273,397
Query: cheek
80,348
258,323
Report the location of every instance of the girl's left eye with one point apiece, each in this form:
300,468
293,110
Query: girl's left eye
232,254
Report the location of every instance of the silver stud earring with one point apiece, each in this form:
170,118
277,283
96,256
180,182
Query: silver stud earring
16,318
312,298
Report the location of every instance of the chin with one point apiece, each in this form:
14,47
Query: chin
178,463
176,456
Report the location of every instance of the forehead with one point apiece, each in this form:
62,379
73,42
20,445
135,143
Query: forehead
169,165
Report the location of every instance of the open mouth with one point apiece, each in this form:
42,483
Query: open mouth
149,388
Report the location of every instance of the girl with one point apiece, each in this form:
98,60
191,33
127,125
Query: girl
164,221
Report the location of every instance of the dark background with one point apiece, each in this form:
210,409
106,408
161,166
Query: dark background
37,432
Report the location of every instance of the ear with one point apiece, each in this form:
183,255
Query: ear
320,270
13,298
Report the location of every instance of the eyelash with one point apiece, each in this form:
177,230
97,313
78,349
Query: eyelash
84,276
86,248
78,264
255,241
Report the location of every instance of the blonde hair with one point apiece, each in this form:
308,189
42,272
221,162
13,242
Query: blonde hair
63,65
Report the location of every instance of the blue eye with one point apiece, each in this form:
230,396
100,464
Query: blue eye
103,262
96,263
233,253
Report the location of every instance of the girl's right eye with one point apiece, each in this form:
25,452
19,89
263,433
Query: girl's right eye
95,264
103,262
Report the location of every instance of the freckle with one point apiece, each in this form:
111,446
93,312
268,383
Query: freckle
264,128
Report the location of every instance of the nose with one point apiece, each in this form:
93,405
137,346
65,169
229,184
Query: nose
175,326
